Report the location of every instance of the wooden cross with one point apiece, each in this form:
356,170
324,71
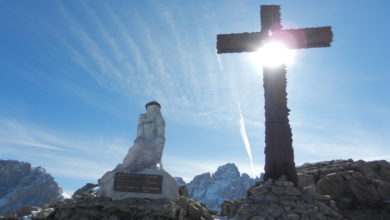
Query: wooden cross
279,153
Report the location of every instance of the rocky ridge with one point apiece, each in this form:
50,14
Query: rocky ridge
326,190
281,200
142,209
86,205
360,189
225,184
338,189
24,185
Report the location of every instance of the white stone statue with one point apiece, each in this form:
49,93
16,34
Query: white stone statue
144,158
148,147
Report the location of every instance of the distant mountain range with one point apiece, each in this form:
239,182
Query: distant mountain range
225,184
22,185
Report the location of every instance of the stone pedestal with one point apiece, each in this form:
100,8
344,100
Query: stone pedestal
169,186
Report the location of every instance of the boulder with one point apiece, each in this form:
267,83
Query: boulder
305,180
88,189
332,184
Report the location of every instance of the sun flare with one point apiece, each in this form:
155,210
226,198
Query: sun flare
272,54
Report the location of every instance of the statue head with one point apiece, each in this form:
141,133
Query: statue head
152,106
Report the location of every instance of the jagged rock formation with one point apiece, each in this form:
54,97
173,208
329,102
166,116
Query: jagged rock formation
281,200
225,184
23,185
361,189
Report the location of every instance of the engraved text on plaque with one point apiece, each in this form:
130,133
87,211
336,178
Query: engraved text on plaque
141,183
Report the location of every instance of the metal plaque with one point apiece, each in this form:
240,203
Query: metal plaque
141,183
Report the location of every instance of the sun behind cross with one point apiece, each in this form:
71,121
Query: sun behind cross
272,54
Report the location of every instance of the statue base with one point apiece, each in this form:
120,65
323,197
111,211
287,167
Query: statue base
146,183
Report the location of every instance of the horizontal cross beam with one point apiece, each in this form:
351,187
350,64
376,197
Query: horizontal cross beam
292,38
237,43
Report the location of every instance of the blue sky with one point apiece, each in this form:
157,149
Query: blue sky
75,75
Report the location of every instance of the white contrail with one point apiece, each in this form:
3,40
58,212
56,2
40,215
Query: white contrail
245,139
219,62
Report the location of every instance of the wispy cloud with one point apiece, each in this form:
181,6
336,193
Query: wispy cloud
90,163
80,168
88,158
57,151
30,143
190,86
126,54
15,133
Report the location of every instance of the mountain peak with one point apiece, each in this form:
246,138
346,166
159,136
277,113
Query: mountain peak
21,185
180,181
225,184
226,171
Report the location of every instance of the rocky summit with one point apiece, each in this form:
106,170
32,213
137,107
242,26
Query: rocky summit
225,184
281,200
337,189
23,185
360,189
86,205
142,209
